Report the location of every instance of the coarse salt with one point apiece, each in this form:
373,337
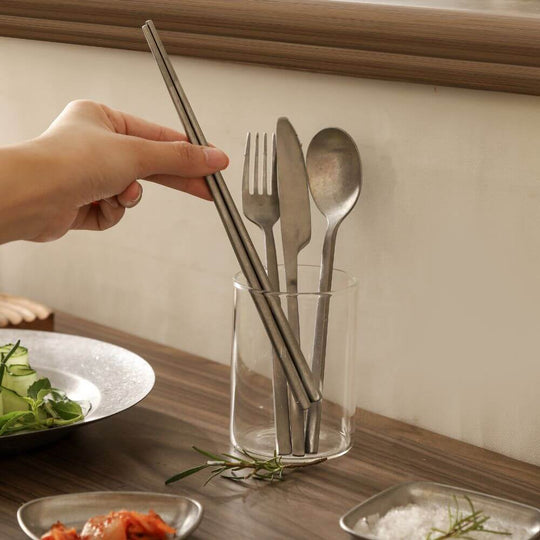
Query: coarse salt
415,522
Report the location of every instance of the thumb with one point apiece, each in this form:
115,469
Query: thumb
179,158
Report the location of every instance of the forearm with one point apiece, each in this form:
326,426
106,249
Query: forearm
29,179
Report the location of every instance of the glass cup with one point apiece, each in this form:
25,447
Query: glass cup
252,421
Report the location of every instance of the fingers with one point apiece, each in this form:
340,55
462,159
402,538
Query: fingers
139,149
29,307
178,158
21,311
98,217
115,148
117,121
106,213
131,195
126,124
8,315
193,186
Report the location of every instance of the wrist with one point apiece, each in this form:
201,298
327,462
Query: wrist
30,176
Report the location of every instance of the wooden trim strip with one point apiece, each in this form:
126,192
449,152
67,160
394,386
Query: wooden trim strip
473,49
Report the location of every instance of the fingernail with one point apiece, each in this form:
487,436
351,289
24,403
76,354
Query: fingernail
133,202
215,158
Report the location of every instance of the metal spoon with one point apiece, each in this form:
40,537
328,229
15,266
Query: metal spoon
335,180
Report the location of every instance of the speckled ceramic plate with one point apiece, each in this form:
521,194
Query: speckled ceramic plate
109,378
36,517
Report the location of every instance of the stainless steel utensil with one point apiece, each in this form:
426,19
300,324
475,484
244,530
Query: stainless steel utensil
279,331
261,206
74,509
295,234
335,180
359,521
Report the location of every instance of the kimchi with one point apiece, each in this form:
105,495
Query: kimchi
121,525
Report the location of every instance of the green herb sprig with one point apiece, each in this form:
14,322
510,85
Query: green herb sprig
269,470
460,524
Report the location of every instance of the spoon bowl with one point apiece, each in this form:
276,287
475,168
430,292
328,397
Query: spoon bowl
335,173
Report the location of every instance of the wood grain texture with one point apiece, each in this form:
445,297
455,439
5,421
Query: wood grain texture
140,448
482,48
45,325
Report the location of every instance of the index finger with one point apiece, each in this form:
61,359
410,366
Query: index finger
126,124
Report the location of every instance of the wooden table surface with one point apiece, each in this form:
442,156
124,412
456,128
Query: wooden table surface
189,405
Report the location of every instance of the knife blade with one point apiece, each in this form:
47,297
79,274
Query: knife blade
295,219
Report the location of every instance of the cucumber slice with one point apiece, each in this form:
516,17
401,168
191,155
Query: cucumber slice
20,356
12,401
19,377
19,370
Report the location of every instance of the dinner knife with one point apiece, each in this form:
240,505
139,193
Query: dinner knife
295,219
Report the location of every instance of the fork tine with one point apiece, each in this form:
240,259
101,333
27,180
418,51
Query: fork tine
265,165
256,165
274,167
245,175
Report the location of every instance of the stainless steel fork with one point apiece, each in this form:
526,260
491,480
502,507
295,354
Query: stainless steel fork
261,206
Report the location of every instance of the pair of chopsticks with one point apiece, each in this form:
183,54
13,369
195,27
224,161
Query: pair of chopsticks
274,320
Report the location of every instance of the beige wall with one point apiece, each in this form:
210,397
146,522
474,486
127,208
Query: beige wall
444,241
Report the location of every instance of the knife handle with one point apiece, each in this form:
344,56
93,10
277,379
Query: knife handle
296,414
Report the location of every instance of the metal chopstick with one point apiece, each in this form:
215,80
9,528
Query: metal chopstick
294,364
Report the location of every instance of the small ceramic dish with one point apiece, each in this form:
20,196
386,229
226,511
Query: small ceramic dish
73,510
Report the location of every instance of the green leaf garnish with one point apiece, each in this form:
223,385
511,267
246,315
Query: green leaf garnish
36,387
67,410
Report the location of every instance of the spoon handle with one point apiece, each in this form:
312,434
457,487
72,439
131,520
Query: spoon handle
321,333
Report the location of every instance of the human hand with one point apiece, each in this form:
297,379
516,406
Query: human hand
94,153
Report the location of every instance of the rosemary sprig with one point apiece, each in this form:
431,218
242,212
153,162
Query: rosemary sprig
459,524
269,470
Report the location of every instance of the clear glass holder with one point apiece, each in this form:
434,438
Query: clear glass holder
255,396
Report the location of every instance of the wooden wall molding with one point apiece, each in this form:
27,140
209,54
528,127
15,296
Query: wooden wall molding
487,49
